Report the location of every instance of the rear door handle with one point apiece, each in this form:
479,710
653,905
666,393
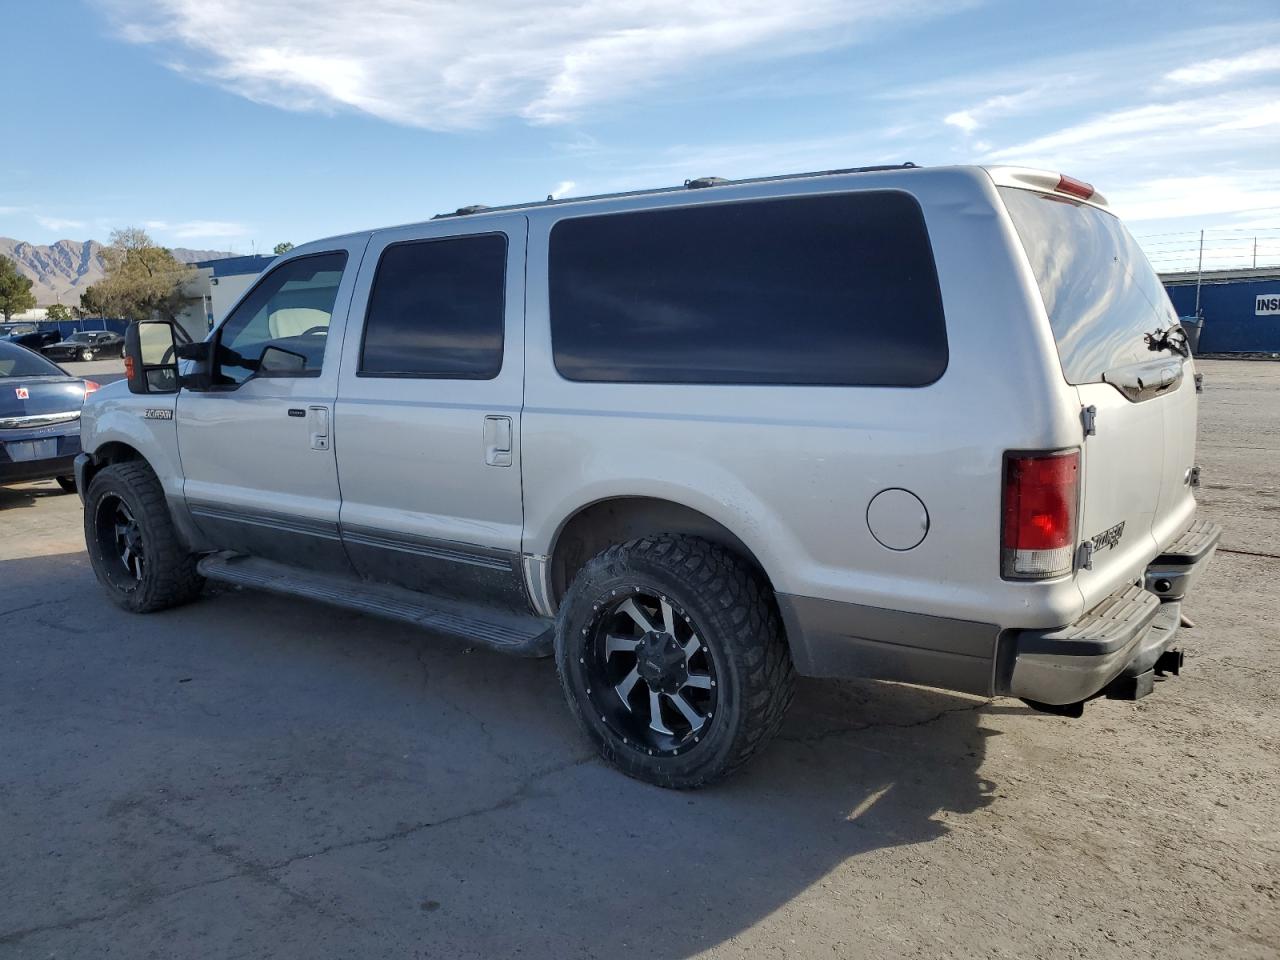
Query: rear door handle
497,441
319,428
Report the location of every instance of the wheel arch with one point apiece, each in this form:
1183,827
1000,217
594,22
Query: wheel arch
113,451
596,525
119,446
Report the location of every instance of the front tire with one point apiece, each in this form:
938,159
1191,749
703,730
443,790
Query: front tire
672,657
132,542
86,355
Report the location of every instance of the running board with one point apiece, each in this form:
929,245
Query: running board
523,635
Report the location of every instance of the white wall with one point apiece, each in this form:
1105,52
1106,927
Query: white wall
227,290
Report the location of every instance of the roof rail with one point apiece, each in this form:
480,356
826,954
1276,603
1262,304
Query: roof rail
695,184
464,211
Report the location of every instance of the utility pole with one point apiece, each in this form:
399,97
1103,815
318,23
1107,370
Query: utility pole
1255,253
1199,273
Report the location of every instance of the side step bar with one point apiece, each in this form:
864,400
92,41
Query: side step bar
523,635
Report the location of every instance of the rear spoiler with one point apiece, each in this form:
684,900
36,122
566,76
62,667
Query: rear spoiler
1045,181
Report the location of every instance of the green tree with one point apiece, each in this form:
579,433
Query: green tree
59,312
15,289
143,280
91,303
283,248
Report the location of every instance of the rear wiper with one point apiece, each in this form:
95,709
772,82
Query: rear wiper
1172,338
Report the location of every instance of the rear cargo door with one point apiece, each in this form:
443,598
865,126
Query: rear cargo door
1137,394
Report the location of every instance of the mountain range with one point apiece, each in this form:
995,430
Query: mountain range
61,271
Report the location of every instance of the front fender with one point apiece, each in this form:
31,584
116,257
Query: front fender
113,419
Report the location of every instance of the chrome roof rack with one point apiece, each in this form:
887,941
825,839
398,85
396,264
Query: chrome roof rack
695,184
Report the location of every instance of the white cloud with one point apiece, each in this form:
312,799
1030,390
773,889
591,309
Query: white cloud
562,189
1002,105
1167,198
197,229
449,64
1155,133
1227,68
59,223
1264,219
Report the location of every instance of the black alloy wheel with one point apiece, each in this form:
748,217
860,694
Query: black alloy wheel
132,541
672,658
653,680
120,536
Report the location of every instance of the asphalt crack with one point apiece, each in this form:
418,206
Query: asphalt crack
263,873
522,794
1250,553
862,727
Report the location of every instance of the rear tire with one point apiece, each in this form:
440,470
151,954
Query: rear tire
68,484
684,627
132,542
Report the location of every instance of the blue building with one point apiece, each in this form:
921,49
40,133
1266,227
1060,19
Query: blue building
1241,308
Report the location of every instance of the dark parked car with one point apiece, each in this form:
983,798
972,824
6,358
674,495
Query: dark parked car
39,417
86,345
27,335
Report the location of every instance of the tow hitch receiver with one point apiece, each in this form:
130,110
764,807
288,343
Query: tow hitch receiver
1170,663
1132,688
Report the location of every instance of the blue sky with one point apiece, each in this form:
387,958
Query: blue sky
235,124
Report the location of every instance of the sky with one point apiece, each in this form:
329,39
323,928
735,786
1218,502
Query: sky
237,124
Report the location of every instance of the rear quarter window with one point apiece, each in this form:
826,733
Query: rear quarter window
834,290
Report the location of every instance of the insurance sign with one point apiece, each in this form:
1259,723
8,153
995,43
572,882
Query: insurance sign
1268,305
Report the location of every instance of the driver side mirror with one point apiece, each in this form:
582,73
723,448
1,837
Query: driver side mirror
151,357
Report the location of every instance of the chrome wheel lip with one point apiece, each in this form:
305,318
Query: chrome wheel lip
649,676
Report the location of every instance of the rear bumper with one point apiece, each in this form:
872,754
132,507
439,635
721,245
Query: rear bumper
61,464
1122,637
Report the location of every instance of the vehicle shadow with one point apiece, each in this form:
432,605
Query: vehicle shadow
27,494
431,796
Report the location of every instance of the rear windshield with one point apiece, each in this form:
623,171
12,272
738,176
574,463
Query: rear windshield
16,361
1098,288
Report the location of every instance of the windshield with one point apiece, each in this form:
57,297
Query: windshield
80,338
1099,290
18,361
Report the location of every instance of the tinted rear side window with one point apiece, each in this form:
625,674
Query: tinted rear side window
437,309
836,290
1099,290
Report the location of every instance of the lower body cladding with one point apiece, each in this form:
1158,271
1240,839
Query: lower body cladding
40,454
1117,649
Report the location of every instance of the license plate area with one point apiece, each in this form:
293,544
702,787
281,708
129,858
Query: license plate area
25,451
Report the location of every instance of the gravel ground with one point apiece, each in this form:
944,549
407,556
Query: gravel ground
254,777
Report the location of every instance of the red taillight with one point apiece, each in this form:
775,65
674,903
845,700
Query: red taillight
1074,187
1038,534
90,386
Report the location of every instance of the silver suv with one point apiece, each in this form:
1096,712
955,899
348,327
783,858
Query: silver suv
924,425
